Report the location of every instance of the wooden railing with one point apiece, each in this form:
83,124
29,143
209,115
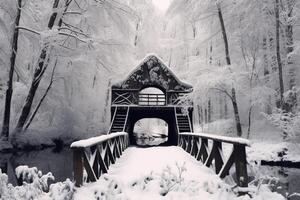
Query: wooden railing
94,155
197,144
152,100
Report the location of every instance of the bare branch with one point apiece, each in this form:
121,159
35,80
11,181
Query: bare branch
73,31
42,99
73,36
29,30
223,91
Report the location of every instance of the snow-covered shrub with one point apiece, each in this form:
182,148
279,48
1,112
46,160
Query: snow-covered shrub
62,190
34,187
3,185
143,182
106,188
170,180
32,177
287,122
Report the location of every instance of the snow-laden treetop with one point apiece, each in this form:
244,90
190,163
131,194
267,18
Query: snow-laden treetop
153,72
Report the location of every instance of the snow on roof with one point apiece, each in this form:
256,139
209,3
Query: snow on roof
95,140
163,64
237,140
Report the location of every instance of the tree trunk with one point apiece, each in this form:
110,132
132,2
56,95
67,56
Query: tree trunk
209,110
278,56
38,74
199,114
227,56
249,121
228,62
136,35
210,53
236,113
9,91
225,107
41,100
290,63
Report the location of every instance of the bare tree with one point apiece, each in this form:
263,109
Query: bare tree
42,99
278,55
232,95
9,91
43,62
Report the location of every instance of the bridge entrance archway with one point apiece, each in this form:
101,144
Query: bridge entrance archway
129,103
150,131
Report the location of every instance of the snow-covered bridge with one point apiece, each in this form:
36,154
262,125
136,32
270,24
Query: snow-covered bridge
130,102
94,156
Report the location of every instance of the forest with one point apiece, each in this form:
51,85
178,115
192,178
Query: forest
60,58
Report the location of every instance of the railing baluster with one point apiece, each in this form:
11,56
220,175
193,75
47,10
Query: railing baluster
183,143
195,147
103,166
203,155
228,164
88,168
96,164
218,158
189,146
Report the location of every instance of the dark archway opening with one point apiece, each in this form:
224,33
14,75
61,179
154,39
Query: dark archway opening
150,131
166,114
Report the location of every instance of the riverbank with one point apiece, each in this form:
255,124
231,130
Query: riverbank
285,154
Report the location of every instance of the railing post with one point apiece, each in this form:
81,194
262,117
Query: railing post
78,166
241,165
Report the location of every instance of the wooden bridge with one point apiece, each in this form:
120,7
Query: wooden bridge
94,156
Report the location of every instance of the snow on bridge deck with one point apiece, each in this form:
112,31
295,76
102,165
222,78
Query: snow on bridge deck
155,173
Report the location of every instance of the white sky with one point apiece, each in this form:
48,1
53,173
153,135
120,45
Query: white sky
162,4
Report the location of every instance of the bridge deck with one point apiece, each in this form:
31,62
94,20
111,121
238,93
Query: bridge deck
142,173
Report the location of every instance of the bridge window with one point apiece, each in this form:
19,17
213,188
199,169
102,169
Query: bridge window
150,131
152,96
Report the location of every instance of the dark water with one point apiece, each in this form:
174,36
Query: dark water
47,160
60,164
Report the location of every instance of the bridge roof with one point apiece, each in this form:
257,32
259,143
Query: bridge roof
153,72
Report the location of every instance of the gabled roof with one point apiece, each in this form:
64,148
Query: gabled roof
153,72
